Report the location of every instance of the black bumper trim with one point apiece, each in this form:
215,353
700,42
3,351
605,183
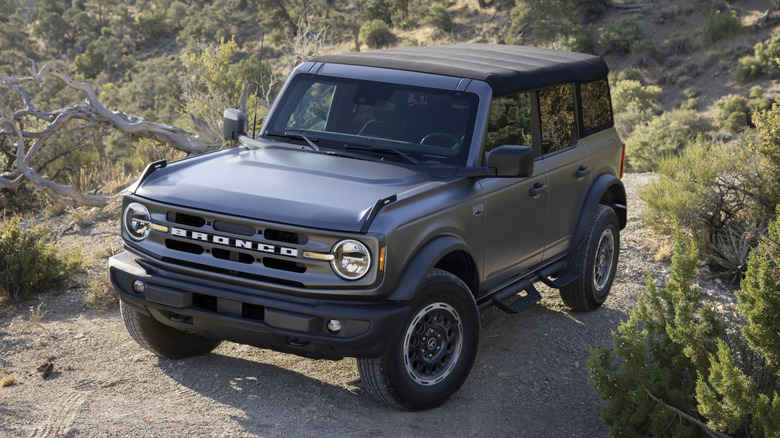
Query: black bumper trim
259,319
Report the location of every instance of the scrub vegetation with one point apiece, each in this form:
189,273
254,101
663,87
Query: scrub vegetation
695,99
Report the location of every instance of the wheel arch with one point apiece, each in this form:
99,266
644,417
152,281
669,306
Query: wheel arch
608,190
447,253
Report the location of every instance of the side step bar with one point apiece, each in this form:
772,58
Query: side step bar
531,297
562,271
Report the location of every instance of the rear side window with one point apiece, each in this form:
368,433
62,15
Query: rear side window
556,110
596,107
510,121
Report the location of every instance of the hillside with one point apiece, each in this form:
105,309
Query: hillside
132,52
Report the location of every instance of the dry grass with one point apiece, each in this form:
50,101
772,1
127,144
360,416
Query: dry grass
8,381
100,295
663,250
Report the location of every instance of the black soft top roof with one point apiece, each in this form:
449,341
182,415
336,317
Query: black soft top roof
506,68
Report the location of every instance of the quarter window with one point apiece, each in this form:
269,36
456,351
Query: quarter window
596,108
556,107
510,121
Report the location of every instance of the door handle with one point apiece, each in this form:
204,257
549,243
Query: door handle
582,172
537,190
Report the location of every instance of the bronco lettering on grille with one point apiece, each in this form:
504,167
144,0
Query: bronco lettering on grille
233,242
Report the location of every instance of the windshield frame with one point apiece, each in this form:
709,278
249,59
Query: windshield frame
440,88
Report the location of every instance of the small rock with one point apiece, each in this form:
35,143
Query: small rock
45,369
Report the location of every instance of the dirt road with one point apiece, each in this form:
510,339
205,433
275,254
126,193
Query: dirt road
529,378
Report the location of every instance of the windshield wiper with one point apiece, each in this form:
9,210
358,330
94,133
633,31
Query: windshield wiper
383,150
295,136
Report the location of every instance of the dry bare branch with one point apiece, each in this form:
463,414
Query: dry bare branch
15,126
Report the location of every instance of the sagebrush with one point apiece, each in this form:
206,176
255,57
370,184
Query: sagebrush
29,264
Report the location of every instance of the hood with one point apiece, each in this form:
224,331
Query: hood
284,185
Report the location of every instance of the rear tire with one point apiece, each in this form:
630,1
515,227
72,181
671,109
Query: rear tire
161,339
432,356
596,262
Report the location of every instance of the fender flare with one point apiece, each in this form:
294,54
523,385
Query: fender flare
421,264
617,200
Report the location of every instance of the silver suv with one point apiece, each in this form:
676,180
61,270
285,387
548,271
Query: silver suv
387,198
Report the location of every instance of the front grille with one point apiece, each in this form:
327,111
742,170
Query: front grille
246,249
232,273
235,256
185,219
229,227
285,236
178,245
284,265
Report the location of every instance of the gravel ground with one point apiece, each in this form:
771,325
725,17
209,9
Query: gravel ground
529,378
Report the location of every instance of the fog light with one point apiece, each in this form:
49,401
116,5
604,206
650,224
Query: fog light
334,326
138,286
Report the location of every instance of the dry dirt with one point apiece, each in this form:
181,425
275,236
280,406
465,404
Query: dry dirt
529,378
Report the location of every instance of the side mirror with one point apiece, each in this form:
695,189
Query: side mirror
512,161
234,124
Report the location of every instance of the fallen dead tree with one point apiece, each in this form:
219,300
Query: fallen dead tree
29,129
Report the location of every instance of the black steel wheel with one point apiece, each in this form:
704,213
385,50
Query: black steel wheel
596,261
432,356
161,339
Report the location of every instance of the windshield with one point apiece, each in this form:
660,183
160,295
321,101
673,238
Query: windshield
427,124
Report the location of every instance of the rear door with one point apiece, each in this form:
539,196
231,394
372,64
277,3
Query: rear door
568,164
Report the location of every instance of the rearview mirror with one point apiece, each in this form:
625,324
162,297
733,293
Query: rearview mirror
512,161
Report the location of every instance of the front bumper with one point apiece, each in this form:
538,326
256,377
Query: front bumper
255,317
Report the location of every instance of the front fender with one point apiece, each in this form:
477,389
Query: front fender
422,263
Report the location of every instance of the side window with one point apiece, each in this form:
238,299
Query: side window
510,121
596,108
556,108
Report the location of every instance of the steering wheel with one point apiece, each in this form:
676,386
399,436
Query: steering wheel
441,139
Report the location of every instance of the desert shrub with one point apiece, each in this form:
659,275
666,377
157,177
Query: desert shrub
733,113
594,8
633,74
20,201
763,62
377,10
149,151
711,191
735,394
376,34
29,264
103,179
675,371
720,25
578,38
759,296
649,377
634,103
438,17
767,135
622,34
682,195
665,135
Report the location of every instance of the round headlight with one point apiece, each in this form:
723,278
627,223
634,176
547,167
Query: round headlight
351,259
137,221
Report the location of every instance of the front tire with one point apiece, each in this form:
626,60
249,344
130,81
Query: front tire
161,339
432,356
596,262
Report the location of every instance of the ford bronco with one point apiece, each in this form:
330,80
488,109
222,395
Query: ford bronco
388,196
